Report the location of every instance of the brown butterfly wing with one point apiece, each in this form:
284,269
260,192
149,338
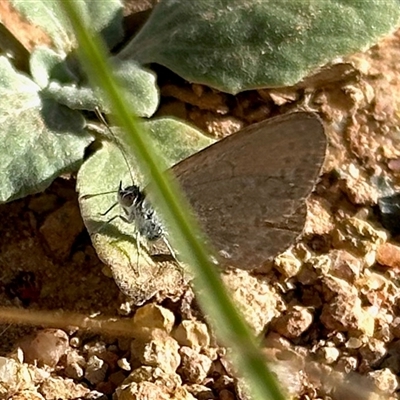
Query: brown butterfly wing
249,189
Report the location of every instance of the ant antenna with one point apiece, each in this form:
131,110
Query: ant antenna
118,143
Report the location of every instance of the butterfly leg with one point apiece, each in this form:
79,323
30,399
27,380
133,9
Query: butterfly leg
137,237
106,212
105,223
171,250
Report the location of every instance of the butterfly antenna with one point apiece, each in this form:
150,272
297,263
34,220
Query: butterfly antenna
117,142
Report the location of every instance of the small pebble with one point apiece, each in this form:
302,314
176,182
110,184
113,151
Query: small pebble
46,347
96,370
123,363
194,366
154,316
158,350
389,255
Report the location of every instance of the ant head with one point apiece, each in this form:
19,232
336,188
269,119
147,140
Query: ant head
129,195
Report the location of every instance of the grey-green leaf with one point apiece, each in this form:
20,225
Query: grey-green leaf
50,70
73,96
41,139
47,65
176,140
104,17
139,87
239,45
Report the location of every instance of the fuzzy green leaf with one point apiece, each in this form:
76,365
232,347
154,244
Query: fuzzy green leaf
53,73
47,65
139,87
104,17
239,45
41,139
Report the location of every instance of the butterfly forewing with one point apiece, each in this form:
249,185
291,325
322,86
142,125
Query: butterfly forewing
249,189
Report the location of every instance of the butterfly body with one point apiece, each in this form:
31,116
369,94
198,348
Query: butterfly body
139,211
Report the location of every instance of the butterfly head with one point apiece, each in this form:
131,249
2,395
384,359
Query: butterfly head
129,196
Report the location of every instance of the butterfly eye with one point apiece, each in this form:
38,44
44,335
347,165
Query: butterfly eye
125,199
129,196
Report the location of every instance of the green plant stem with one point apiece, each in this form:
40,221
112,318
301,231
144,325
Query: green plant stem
225,319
